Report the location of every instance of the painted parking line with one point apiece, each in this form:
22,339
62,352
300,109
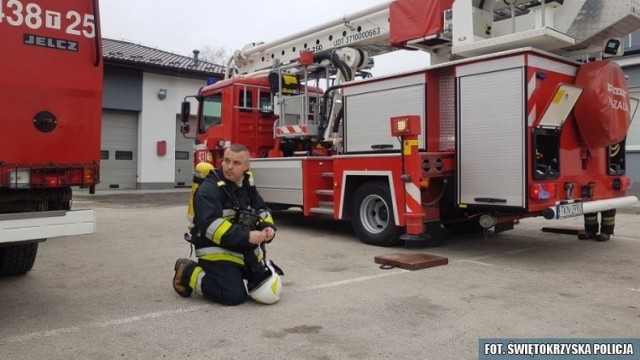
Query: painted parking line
166,313
76,329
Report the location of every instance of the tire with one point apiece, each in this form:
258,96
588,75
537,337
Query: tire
372,215
59,205
17,259
61,200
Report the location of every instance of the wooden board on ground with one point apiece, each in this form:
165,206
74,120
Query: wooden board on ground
411,261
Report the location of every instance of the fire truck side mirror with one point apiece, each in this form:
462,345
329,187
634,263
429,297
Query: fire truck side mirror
185,111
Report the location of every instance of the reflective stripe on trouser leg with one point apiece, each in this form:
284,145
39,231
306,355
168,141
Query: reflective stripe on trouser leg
195,282
591,223
608,221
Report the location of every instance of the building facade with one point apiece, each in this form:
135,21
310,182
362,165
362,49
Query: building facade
142,146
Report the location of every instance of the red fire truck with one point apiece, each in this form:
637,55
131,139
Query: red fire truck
50,117
519,115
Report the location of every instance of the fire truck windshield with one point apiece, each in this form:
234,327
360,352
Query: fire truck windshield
210,112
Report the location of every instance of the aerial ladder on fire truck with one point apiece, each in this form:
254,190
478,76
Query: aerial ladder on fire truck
335,51
446,29
481,130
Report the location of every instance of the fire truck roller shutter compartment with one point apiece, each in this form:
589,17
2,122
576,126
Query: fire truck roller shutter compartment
370,105
119,160
491,133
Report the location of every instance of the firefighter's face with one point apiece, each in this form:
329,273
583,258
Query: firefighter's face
235,164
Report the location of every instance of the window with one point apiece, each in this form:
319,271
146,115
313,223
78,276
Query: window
266,102
124,155
211,112
182,155
104,154
245,101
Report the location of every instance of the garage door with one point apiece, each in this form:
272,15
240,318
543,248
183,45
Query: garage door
184,154
119,151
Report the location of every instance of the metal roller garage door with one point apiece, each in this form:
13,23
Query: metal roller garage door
184,154
119,151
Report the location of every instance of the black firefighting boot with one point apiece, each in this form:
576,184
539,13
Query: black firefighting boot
184,268
603,237
584,235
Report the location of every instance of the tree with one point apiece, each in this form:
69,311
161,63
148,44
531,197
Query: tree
215,54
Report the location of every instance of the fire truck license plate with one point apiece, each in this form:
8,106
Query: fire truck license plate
569,210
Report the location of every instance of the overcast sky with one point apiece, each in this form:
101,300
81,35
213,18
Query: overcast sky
182,26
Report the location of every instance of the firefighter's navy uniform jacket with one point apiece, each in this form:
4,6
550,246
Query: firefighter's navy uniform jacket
217,236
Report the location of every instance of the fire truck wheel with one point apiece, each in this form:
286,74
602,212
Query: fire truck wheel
17,259
59,205
372,215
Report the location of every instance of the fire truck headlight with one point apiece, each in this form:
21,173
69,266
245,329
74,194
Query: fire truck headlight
19,178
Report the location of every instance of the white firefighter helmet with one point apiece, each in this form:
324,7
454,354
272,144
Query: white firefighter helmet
268,291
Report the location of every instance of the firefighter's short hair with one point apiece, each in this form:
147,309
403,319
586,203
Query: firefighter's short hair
238,148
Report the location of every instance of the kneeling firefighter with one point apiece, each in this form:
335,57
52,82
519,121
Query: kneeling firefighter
231,224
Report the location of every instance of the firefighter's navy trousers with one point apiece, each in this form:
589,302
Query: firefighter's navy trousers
222,282
607,225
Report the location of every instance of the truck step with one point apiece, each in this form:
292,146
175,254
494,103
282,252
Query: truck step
321,210
325,192
326,204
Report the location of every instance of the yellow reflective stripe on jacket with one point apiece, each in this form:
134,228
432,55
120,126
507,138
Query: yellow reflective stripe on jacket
215,250
215,253
223,257
217,229
219,250
266,217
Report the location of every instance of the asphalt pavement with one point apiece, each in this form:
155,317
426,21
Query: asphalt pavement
108,295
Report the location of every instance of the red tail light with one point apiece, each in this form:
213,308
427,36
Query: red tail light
74,176
42,178
52,180
31,177
543,191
